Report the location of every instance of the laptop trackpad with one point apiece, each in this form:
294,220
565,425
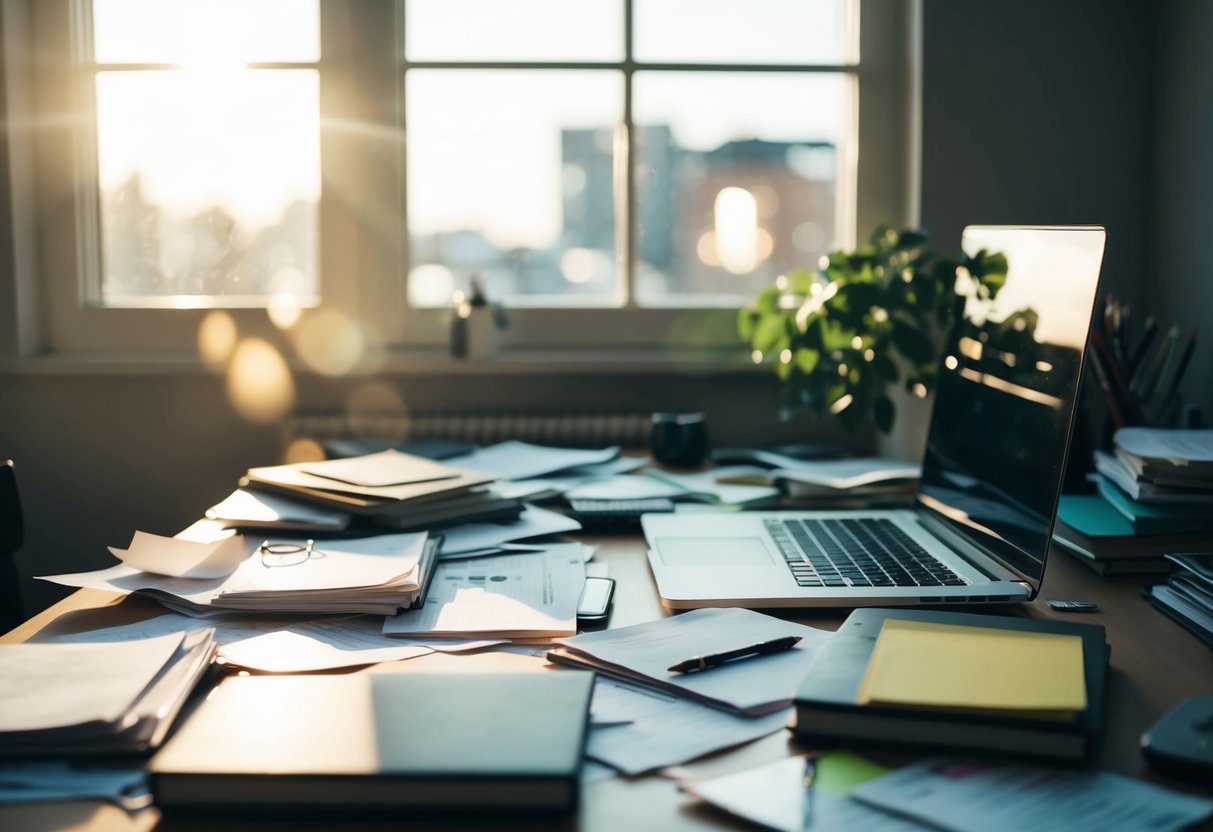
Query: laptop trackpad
713,551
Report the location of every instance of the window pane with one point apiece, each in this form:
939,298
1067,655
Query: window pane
208,32
509,178
209,186
738,180
741,31
519,30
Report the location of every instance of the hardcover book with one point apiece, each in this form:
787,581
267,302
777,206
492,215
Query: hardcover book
829,709
378,742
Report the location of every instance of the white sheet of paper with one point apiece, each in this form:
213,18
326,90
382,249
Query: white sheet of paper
961,794
226,631
533,522
504,596
703,485
453,645
334,564
244,507
55,685
625,487
125,579
308,648
664,730
182,558
381,469
523,461
772,796
1179,446
748,684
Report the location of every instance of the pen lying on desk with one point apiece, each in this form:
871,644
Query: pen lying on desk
716,659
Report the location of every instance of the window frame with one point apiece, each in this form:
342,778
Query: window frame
53,204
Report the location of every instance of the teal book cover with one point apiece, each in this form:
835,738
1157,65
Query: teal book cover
1155,518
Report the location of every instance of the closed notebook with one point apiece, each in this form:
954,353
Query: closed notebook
375,742
958,682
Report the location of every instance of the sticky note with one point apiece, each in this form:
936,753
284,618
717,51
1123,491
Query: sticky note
950,666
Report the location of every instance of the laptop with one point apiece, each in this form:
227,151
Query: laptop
980,526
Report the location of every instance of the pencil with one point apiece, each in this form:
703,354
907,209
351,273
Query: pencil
1186,357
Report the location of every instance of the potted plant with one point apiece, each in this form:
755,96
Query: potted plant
841,337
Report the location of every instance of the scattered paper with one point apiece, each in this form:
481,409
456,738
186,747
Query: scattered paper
533,522
46,686
256,509
626,487
962,795
506,596
182,558
643,653
664,730
317,647
773,796
226,631
1179,447
523,461
704,485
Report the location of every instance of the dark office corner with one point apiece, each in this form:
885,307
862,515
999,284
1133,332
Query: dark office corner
1002,83
1181,275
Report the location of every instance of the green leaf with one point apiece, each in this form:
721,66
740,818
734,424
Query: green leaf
769,332
746,319
767,301
885,366
912,342
800,282
807,360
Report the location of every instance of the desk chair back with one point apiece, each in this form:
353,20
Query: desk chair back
12,535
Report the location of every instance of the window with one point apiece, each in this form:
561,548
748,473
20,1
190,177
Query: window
618,172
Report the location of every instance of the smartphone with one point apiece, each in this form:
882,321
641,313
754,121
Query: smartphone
595,604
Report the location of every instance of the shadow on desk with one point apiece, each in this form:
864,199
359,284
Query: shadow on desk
366,823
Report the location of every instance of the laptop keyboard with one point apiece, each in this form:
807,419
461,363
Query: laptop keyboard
856,552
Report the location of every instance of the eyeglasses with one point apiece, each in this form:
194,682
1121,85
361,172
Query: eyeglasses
285,554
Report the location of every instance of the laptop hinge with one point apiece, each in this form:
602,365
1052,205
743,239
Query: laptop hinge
982,559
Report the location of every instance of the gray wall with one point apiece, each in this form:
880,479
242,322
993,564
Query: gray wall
1179,279
1039,112
1033,112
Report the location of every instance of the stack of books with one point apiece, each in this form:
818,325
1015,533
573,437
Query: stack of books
1155,496
387,489
958,682
1187,596
66,700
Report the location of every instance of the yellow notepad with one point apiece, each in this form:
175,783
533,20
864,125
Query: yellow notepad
955,667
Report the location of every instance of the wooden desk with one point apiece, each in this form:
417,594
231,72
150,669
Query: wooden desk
1154,664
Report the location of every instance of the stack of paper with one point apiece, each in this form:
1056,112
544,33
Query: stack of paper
380,574
390,489
84,699
1156,465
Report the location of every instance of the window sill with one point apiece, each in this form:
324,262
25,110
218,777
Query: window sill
411,362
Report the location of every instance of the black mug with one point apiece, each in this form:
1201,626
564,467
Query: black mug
679,439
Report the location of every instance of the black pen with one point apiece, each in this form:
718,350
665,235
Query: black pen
717,659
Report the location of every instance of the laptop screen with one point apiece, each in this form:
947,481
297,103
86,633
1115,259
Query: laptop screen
1005,399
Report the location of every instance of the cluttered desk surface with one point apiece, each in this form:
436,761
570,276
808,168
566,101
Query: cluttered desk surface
1153,664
